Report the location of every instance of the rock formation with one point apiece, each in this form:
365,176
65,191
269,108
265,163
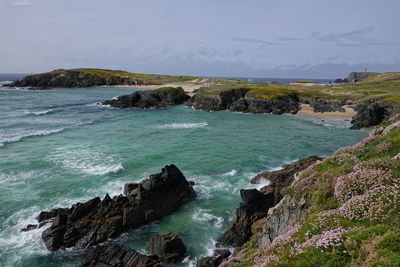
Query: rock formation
114,255
372,113
282,178
86,224
168,247
77,78
159,98
243,101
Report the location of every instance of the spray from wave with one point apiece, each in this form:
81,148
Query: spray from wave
183,125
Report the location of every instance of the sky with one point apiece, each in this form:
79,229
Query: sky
219,38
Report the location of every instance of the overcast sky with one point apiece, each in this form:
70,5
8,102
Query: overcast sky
251,38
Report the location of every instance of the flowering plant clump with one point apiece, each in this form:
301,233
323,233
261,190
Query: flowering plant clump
383,147
391,127
373,205
342,158
361,180
384,163
328,219
366,140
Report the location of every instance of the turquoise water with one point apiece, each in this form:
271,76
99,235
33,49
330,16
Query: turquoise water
58,147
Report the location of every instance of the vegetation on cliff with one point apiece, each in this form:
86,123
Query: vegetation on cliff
352,211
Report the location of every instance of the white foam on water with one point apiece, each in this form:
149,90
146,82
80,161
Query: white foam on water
17,243
182,125
85,160
204,215
15,135
42,112
230,173
18,177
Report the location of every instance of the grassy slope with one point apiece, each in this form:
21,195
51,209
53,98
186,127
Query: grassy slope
354,217
381,86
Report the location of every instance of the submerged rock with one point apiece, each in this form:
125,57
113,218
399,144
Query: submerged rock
215,260
159,98
118,256
168,247
86,224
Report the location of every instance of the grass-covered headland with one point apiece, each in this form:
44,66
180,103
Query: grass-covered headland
352,214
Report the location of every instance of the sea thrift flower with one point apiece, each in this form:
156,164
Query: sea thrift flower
383,147
366,140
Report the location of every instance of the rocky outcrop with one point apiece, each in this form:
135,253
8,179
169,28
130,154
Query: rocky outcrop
159,98
359,76
215,260
76,78
168,247
86,224
372,113
242,101
286,213
118,256
254,206
283,178
320,104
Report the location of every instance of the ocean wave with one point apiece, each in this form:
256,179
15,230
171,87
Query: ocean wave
204,215
43,112
86,161
10,137
16,243
230,173
183,125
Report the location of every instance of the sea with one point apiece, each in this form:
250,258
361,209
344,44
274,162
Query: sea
62,146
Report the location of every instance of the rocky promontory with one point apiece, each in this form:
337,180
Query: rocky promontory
158,98
86,224
245,100
79,78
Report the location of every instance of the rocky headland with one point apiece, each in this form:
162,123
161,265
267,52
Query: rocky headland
339,211
95,221
158,98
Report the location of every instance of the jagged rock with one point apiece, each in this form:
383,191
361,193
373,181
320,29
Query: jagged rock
86,224
254,206
215,260
258,225
168,247
372,113
118,256
159,98
282,178
285,214
241,100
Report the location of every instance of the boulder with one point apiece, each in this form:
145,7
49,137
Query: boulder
372,113
168,247
114,255
86,224
159,98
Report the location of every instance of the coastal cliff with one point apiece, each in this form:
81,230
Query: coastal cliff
339,211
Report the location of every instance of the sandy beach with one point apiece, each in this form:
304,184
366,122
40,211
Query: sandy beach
306,110
188,87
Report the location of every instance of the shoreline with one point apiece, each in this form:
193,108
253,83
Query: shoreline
188,88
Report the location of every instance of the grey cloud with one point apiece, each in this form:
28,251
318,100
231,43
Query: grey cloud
252,40
355,38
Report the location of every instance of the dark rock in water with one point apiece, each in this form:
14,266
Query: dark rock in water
168,247
282,178
243,101
29,227
86,224
340,81
215,260
118,256
159,98
254,206
372,113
